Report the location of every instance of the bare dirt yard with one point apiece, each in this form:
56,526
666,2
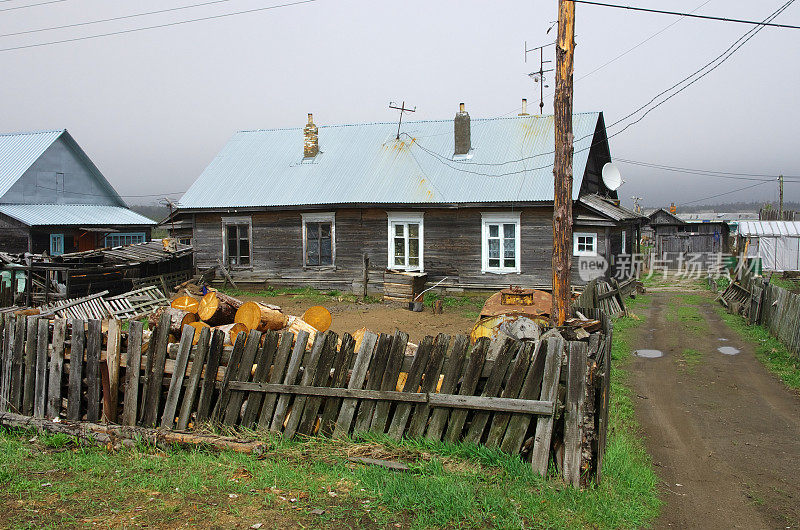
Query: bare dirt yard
723,432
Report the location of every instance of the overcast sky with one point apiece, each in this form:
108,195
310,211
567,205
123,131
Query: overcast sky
152,108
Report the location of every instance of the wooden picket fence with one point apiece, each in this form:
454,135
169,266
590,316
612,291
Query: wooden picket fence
501,393
764,303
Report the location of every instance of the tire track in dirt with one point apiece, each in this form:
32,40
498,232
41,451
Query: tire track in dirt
724,434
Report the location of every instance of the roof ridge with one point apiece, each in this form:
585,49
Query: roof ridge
443,120
25,133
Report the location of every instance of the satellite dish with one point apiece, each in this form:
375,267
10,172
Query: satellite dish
611,177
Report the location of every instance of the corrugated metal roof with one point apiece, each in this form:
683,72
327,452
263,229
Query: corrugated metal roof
512,161
73,215
769,228
18,151
608,208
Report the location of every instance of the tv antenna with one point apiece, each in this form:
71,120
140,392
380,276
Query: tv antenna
402,108
169,203
636,207
538,76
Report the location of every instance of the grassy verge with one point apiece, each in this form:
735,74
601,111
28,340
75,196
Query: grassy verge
468,304
769,350
303,293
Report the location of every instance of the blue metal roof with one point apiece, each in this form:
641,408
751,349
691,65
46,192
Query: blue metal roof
511,161
74,215
18,151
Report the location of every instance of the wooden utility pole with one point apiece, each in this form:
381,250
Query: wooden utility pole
562,168
780,188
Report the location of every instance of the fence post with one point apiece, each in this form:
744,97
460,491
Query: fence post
574,412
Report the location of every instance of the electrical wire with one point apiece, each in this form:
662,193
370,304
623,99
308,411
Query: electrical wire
708,172
31,5
157,26
723,194
106,195
691,15
124,17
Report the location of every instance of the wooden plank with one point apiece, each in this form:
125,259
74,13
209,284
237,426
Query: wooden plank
176,381
230,371
308,419
210,377
531,389
28,383
310,368
341,364
360,366
148,374
56,369
7,355
419,416
94,340
234,408
472,375
134,366
512,389
193,384
604,398
292,369
76,348
492,387
573,412
380,417
40,386
377,368
17,364
276,376
454,367
159,355
264,359
113,360
418,366
540,455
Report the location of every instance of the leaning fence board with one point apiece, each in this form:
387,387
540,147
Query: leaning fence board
6,354
134,365
277,375
341,364
193,385
153,389
403,410
292,369
512,389
235,397
531,388
309,372
233,366
264,360
573,413
176,381
94,338
30,366
210,377
396,355
40,386
308,418
348,408
56,369
472,374
544,427
376,370
492,388
113,361
454,367
419,417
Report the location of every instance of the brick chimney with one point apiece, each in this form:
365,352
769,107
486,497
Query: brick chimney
311,138
462,131
524,108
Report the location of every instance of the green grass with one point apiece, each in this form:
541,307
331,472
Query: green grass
468,304
787,283
769,350
303,293
691,358
685,309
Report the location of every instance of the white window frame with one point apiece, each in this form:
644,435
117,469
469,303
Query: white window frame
239,220
109,238
327,217
576,252
624,240
405,218
500,218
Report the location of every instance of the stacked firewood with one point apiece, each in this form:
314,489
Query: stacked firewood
230,315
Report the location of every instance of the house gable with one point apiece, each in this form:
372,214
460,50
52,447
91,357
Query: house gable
62,174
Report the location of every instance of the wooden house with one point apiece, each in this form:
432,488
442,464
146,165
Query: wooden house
676,241
54,200
466,200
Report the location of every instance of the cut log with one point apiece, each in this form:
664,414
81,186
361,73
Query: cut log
177,319
259,317
319,317
231,331
217,308
120,435
296,325
198,327
188,303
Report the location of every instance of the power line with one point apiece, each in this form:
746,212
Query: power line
106,195
691,15
32,5
704,172
169,24
723,194
124,17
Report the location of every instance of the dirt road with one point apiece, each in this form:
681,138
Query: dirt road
723,432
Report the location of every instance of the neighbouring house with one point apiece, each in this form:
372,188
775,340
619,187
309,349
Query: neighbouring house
775,243
54,200
467,200
676,242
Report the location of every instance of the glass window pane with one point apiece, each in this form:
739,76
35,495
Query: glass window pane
494,248
325,229
312,251
510,263
508,250
326,252
494,262
413,262
494,230
399,230
413,248
413,230
509,230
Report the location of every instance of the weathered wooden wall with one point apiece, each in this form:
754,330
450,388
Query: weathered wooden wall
452,247
13,236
